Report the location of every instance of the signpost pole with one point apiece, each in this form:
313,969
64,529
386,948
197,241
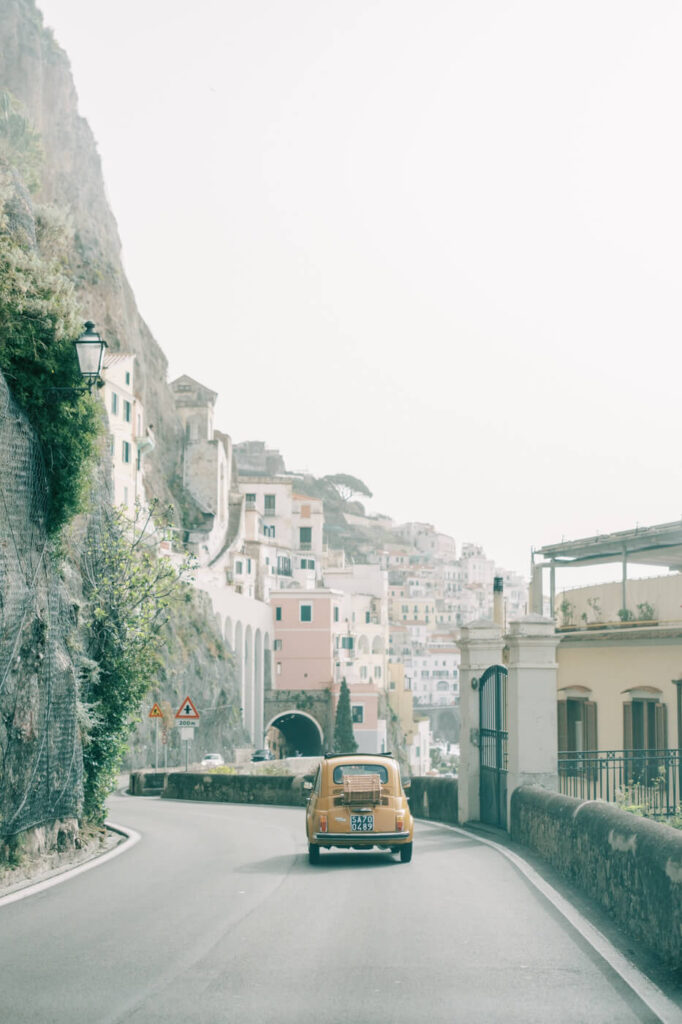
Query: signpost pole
187,716
156,744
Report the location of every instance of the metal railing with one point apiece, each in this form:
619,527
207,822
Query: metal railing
648,781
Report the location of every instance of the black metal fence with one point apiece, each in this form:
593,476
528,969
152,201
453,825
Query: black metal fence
648,781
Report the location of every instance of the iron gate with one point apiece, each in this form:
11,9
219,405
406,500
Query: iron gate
493,748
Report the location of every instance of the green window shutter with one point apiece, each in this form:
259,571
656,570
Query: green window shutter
627,726
562,725
590,725
661,726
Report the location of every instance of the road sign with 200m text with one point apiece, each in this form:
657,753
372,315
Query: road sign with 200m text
187,714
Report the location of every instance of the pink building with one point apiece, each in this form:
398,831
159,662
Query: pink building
314,648
307,623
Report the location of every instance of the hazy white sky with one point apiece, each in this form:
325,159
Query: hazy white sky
435,244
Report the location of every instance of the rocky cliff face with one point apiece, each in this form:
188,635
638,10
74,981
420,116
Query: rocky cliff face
40,748
41,767
35,70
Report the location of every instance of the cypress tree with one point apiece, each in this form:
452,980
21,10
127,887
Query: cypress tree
344,741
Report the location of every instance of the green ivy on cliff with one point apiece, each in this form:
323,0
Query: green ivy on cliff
130,592
39,319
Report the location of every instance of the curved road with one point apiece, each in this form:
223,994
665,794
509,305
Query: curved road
216,916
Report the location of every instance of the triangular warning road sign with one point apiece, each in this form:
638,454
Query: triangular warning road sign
187,711
156,712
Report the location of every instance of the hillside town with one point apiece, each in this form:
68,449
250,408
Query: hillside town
299,613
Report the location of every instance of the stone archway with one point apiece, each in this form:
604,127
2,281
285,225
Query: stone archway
239,660
228,633
298,733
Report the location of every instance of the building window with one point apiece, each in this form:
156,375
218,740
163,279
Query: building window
125,451
269,504
367,616
305,536
139,459
347,643
277,645
248,566
305,612
363,671
645,725
127,376
336,613
250,500
305,511
114,402
377,671
278,613
127,410
279,667
111,444
238,568
357,714
577,724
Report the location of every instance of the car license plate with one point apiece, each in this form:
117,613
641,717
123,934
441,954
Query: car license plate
361,822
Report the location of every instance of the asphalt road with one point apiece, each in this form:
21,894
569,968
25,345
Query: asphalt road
216,916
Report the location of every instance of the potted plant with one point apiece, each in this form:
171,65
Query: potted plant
567,609
646,612
595,606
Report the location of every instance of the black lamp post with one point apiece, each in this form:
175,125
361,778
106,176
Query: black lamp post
90,353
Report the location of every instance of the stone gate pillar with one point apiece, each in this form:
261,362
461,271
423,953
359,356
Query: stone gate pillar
481,646
531,704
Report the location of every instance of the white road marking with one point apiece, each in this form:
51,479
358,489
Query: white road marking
650,994
132,837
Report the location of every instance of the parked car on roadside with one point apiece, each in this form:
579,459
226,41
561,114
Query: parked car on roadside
358,802
262,755
212,761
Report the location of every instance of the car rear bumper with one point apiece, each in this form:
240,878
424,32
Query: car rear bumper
357,838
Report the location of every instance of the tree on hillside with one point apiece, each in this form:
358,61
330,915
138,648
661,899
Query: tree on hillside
130,593
344,740
346,486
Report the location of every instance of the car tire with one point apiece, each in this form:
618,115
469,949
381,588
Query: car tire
313,854
406,853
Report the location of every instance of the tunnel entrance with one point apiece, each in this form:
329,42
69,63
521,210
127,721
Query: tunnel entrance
294,733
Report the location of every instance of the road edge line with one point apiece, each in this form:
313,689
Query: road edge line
646,990
131,838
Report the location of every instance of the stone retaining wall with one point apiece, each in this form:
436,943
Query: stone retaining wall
631,865
285,790
434,799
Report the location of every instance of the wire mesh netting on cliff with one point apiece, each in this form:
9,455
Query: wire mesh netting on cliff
41,764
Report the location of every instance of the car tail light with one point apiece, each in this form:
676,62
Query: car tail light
400,821
323,823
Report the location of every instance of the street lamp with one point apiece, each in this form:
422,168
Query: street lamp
90,353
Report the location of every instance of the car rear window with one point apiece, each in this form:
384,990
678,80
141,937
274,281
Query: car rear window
360,769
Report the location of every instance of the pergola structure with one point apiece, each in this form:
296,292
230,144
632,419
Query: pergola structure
645,545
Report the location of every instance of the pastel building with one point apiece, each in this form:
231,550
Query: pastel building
317,645
130,438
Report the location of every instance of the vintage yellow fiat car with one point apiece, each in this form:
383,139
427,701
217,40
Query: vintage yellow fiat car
358,802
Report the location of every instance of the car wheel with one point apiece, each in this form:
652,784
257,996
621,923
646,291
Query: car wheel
313,854
406,853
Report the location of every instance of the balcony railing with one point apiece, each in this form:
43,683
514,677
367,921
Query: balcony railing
648,780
